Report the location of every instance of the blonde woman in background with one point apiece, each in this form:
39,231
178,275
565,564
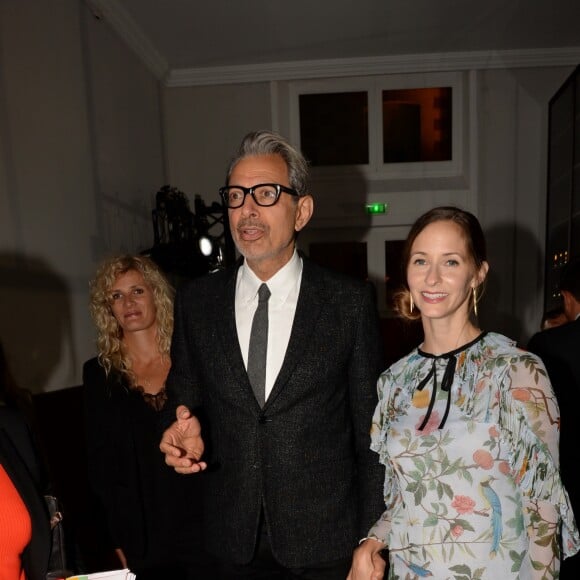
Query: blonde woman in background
153,514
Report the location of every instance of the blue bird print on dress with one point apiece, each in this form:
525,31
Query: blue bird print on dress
418,570
492,500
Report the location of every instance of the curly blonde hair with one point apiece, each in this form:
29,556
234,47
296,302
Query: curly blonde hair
111,354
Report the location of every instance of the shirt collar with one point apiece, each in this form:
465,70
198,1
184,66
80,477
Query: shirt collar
280,284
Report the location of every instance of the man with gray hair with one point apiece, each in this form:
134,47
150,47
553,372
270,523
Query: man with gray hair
273,385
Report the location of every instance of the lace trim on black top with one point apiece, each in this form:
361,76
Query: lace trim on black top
157,401
447,378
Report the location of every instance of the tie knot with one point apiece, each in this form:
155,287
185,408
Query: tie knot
263,293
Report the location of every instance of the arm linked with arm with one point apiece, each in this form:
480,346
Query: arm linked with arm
181,440
364,369
368,561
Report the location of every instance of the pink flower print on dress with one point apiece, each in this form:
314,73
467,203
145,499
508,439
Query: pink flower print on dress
456,531
463,504
521,394
432,424
483,458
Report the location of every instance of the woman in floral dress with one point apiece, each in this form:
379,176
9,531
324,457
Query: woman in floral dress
467,426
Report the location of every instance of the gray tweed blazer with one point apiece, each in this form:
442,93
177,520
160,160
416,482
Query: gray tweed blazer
304,457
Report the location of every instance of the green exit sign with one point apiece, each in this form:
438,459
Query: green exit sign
376,208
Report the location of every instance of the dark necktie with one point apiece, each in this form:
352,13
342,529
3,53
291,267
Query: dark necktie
259,346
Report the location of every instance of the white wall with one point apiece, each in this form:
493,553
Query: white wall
203,128
512,164
127,141
80,161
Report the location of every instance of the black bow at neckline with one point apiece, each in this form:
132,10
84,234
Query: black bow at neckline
447,378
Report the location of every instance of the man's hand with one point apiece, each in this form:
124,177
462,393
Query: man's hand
182,443
367,562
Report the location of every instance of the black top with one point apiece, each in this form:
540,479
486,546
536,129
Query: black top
152,512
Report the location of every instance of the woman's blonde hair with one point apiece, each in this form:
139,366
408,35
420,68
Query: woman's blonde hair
109,332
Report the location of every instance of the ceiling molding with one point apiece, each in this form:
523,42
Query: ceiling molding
119,19
410,63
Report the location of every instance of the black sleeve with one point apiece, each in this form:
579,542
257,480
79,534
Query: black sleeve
364,369
182,383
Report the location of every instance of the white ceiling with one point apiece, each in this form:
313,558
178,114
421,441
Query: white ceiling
190,34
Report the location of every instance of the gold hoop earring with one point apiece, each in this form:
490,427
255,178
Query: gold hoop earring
412,304
474,300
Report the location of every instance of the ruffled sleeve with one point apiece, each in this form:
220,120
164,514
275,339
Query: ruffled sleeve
529,422
382,528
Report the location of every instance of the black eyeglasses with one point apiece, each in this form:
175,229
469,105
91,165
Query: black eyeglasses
264,194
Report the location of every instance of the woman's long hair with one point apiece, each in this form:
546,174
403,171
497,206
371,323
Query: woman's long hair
109,333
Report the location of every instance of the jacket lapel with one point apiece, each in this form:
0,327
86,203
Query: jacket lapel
308,308
225,317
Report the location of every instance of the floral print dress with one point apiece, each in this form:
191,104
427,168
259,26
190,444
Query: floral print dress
469,440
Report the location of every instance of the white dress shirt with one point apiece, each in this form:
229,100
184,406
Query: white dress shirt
284,287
